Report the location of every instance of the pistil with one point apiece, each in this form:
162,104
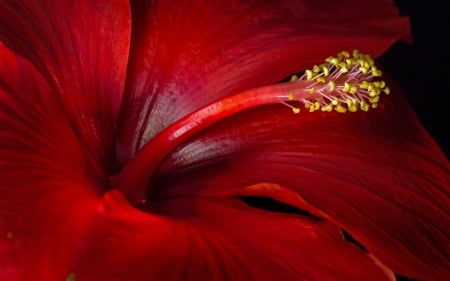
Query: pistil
344,83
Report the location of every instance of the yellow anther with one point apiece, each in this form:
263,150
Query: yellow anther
355,53
320,79
364,106
352,108
335,102
291,96
325,71
363,69
294,78
296,110
309,74
387,90
374,105
312,90
316,69
334,61
364,84
332,85
351,102
353,89
316,105
376,72
369,60
344,54
327,108
375,92
343,67
377,84
346,88
374,99
339,108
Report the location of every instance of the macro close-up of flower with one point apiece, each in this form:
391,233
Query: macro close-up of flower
213,140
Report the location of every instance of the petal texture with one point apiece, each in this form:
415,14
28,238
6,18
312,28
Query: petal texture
81,48
47,182
185,55
62,73
215,239
377,174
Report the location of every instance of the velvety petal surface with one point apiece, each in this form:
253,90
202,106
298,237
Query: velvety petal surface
81,49
47,183
57,142
215,239
60,89
378,175
186,54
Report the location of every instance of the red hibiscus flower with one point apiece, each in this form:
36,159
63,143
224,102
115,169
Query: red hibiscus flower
153,140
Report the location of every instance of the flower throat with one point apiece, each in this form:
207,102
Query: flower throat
345,83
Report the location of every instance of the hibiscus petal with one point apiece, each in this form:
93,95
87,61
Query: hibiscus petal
46,194
185,55
378,175
215,239
56,126
40,223
81,48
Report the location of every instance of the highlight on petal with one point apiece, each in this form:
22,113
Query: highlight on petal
216,239
62,72
378,175
186,55
352,173
48,183
81,48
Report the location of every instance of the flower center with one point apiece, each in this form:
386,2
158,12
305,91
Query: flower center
344,83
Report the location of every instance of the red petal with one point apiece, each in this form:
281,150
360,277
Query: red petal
81,48
46,194
215,239
55,129
41,221
186,55
377,174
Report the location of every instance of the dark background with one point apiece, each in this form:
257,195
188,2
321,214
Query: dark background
423,68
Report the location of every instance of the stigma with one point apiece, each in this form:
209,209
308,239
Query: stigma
345,83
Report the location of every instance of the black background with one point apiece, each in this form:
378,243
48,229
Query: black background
423,67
